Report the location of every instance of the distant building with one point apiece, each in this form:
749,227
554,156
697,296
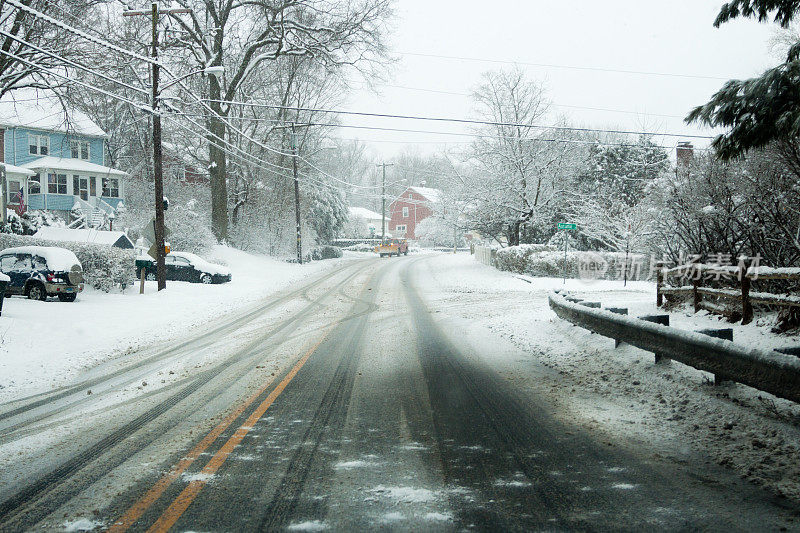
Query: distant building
413,206
55,160
370,218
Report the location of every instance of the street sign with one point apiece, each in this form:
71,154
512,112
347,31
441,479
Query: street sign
149,233
567,225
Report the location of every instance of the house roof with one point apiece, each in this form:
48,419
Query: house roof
363,212
31,108
13,169
432,195
74,165
109,238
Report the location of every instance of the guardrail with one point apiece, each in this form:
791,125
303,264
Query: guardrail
766,370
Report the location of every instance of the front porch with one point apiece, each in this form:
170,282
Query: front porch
91,193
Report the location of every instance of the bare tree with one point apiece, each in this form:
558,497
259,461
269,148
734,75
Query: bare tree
30,44
515,156
243,35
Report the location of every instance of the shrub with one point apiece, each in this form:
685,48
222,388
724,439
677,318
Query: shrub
325,252
361,247
543,261
104,267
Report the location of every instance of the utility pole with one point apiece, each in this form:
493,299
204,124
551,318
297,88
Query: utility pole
158,178
296,196
383,200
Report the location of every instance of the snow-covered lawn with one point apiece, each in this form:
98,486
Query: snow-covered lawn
669,410
43,343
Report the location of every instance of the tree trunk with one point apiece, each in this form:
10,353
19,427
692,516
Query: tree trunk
217,172
513,233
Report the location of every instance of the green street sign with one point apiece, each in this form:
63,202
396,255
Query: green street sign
566,225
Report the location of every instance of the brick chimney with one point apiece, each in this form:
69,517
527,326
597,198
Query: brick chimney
684,154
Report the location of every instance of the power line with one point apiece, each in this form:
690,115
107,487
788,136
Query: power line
462,120
567,67
432,132
81,33
588,108
71,63
72,80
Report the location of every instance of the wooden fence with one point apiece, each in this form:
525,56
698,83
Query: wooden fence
484,254
741,295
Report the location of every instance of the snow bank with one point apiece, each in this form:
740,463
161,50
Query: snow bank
45,344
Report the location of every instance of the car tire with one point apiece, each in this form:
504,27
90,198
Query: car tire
205,278
67,297
405,253
150,276
37,292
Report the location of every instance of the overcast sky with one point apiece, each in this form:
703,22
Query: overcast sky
674,38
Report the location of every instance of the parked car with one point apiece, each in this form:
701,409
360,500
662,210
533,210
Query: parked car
41,271
184,266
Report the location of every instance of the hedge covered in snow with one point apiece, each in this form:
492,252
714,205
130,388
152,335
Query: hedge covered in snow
540,260
104,267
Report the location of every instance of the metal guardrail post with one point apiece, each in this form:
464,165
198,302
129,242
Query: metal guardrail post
718,333
617,311
664,321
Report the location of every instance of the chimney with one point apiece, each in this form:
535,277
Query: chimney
684,154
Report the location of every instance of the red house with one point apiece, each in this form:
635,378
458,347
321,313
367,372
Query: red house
411,207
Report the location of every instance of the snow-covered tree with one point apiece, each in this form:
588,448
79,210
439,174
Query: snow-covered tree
241,36
759,110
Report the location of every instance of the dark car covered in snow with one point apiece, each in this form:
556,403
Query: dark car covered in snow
184,266
41,271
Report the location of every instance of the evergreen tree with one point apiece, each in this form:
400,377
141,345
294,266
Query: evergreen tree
759,110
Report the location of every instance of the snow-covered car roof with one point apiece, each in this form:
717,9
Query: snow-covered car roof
57,258
202,264
5,278
195,260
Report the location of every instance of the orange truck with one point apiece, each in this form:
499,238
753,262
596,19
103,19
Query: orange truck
392,247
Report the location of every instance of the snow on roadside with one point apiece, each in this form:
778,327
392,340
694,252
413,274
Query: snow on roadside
620,394
43,344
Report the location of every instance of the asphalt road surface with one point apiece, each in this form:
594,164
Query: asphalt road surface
344,405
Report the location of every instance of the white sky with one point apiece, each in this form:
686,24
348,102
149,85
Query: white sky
675,36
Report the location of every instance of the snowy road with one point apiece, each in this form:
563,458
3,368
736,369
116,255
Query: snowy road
357,401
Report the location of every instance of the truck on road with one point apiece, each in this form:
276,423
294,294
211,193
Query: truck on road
392,247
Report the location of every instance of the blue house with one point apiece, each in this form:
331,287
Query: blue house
55,160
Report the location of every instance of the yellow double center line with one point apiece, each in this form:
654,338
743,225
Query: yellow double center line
188,495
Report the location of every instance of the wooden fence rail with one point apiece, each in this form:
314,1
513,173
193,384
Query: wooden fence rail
741,276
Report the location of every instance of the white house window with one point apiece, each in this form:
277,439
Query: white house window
13,192
79,149
111,187
405,212
34,184
57,183
38,144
